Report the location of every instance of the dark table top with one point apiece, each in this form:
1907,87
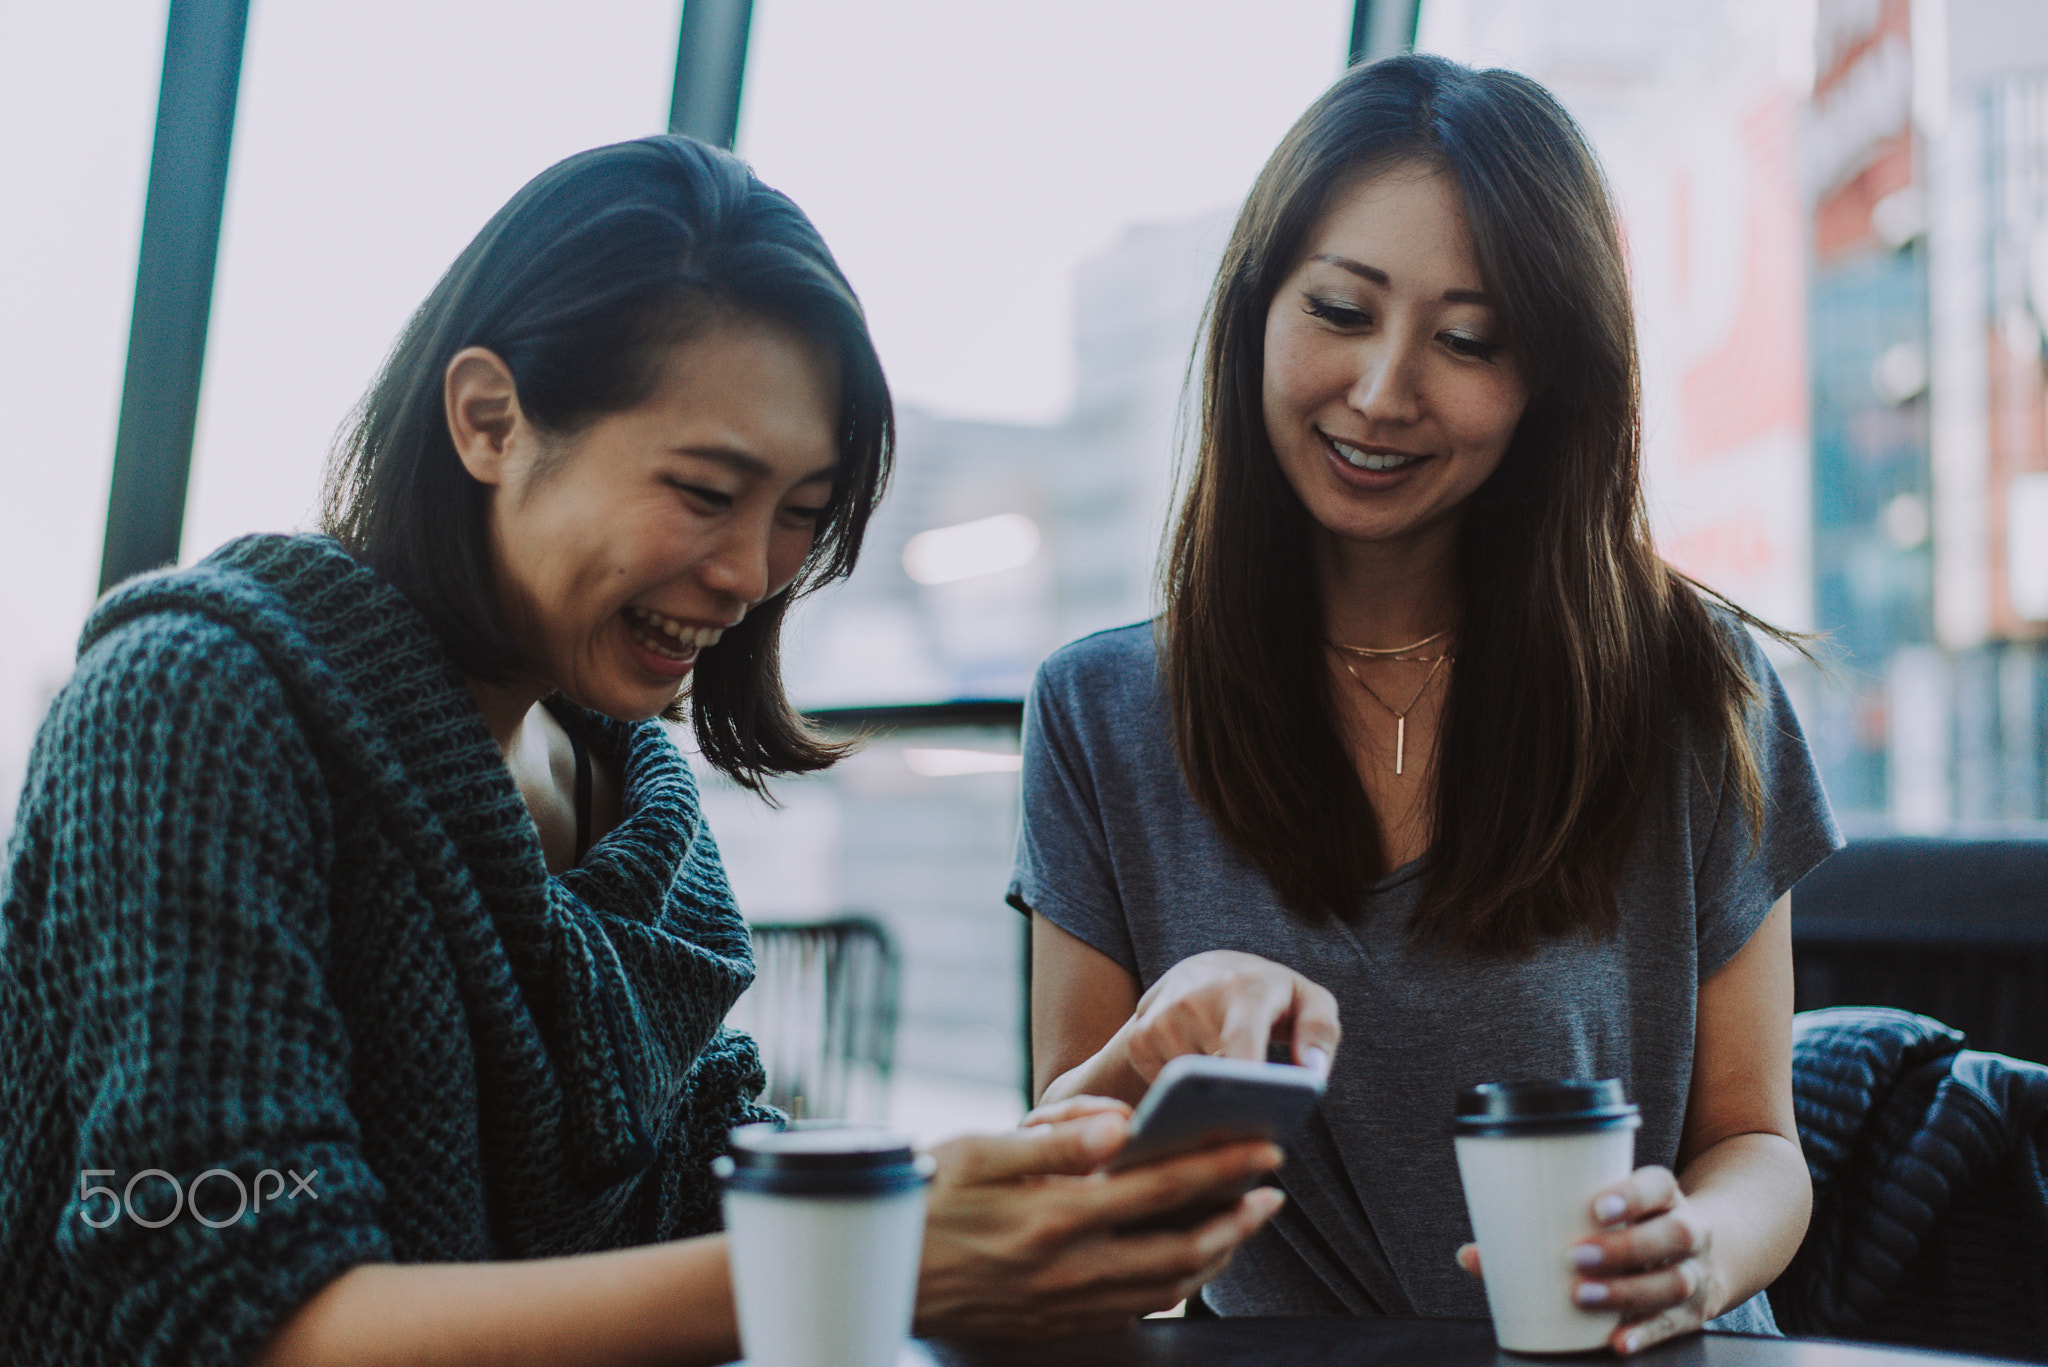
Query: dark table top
1391,1343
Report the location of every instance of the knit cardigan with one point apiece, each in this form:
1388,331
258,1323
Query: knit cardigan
282,970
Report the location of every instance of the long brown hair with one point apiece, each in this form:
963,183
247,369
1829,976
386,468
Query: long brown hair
582,283
1578,647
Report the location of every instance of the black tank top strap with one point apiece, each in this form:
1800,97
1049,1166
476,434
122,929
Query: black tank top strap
561,710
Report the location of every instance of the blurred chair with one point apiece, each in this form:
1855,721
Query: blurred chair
823,1009
1952,927
1930,1210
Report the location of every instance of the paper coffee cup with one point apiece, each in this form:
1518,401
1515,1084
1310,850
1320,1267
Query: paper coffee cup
824,1223
1531,1156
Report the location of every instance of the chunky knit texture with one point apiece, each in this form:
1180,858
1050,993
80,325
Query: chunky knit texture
273,902
1930,1187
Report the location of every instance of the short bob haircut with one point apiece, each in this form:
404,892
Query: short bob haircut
582,284
1579,650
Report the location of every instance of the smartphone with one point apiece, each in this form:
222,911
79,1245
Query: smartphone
1198,1101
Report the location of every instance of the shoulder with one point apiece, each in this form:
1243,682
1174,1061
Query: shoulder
1739,637
1119,664
1718,673
1099,697
151,669
172,743
1100,691
170,702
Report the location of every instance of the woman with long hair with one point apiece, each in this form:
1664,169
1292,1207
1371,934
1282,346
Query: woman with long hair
363,954
1428,737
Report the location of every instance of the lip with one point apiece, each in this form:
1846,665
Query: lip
1357,478
652,662
715,623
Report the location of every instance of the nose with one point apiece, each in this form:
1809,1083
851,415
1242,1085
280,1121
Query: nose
737,565
1388,388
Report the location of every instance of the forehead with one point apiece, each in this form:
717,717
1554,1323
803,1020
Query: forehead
754,387
1409,215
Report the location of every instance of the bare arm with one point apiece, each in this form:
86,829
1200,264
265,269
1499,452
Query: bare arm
1080,999
665,1303
1732,1219
1739,1157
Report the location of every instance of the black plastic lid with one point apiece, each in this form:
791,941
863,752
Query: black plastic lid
821,1158
1543,1106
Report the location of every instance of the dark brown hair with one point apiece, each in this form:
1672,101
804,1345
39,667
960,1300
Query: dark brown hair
1578,647
582,284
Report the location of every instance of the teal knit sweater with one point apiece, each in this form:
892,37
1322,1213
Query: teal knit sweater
276,929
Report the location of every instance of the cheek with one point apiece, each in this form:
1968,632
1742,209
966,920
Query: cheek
1492,411
1290,372
787,552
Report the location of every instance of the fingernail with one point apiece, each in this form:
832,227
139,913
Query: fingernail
1610,1207
1316,1059
1266,1200
1631,1342
1102,1131
1586,1255
1590,1293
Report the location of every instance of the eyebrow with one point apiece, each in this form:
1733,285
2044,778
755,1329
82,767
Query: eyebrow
1380,277
751,466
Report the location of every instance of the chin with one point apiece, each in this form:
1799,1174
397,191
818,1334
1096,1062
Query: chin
625,704
640,710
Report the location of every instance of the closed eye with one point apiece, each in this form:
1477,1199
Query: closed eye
1478,348
713,499
1336,314
807,517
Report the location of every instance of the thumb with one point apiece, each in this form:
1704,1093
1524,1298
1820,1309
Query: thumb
1071,1147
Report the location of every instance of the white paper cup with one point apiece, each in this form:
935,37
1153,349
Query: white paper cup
825,1224
1531,1156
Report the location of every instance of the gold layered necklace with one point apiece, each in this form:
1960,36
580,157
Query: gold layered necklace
1396,653
1388,652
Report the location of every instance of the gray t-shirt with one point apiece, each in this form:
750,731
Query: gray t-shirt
1115,850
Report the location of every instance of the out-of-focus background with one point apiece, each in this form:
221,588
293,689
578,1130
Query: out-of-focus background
1836,213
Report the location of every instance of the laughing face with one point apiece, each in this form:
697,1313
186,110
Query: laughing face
624,551
1388,394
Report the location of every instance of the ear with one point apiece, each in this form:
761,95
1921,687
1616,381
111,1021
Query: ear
484,418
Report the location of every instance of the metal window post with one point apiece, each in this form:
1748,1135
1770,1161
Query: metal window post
188,172
1381,28
711,65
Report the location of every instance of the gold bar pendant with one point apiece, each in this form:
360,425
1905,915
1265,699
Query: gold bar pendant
1400,743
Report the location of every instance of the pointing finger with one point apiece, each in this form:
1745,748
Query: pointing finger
1316,1031
1071,1147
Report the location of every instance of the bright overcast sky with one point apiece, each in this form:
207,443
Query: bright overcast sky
960,155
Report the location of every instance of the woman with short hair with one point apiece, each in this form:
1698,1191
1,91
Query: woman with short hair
1430,737
363,953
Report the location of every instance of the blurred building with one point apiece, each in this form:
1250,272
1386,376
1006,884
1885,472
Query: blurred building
1927,171
1867,465
998,543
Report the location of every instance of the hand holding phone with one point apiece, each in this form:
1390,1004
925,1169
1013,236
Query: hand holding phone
1197,1102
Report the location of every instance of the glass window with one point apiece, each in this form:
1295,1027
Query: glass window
78,98
1031,202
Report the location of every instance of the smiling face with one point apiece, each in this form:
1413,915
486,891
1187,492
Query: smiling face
624,550
1388,395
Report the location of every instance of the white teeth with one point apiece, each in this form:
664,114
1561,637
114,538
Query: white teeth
1371,460
682,634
